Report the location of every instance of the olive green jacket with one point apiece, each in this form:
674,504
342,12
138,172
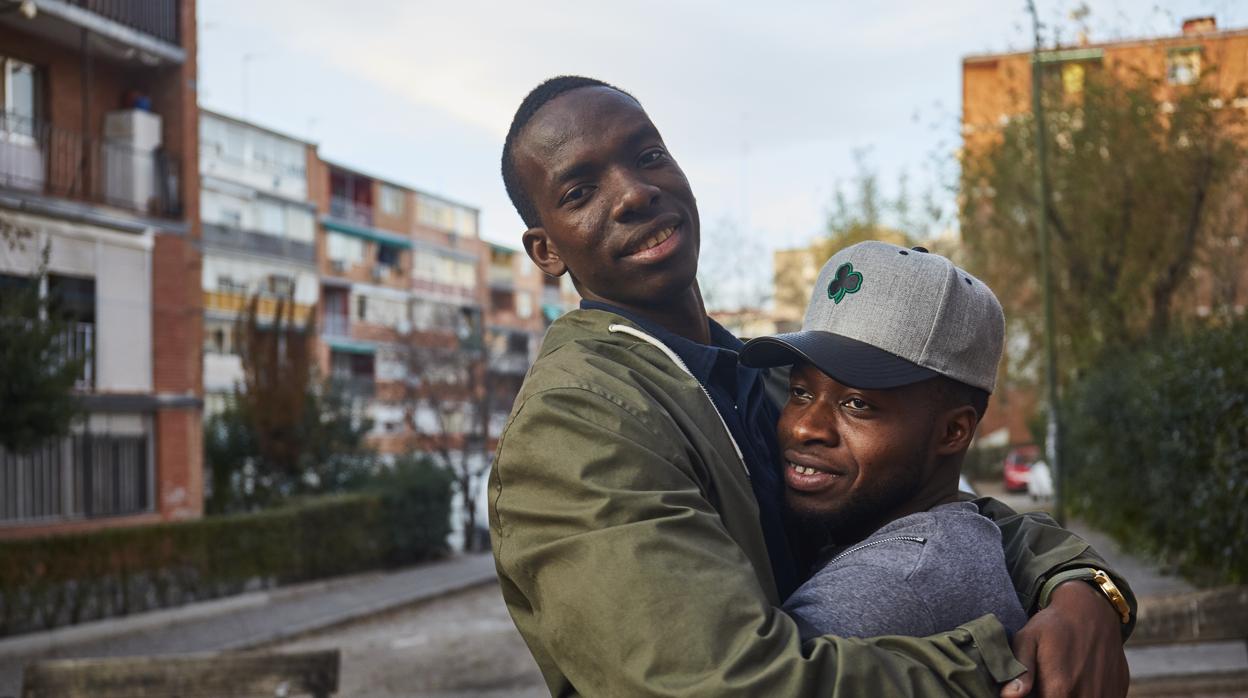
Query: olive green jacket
627,542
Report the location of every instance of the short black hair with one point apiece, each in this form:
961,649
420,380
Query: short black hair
535,100
952,393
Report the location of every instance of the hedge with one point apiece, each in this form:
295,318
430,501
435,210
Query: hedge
65,579
1157,450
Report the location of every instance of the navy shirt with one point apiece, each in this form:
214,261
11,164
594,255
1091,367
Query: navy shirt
740,396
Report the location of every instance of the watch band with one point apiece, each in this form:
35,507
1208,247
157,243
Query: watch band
1099,581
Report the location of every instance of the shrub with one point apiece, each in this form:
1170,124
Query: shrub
1157,450
60,580
416,494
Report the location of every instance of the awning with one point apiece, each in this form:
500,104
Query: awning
367,233
350,346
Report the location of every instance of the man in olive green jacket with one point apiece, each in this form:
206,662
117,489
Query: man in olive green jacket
624,523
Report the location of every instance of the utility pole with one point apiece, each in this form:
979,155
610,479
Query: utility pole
1053,427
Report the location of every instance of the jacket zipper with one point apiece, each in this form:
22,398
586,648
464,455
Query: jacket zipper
625,329
913,539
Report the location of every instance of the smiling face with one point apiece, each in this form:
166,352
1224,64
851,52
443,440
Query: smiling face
616,210
856,459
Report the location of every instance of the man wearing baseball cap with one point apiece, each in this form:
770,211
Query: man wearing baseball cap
892,371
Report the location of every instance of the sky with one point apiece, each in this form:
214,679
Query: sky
767,107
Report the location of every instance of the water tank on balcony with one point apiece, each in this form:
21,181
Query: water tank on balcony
131,138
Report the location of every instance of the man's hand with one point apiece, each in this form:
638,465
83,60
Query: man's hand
1071,648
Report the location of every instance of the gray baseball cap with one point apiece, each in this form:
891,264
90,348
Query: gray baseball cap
883,316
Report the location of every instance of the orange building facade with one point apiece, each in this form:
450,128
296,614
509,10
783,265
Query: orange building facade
997,87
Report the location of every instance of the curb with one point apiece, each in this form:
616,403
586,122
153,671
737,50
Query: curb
32,645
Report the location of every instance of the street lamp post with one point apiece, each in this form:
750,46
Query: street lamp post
1053,426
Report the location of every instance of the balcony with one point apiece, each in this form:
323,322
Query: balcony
500,277
350,211
158,18
355,385
337,325
510,363
38,158
141,34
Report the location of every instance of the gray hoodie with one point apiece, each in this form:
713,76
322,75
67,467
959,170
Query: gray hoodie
921,574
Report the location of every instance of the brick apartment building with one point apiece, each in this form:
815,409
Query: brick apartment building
259,237
996,87
400,270
164,221
98,162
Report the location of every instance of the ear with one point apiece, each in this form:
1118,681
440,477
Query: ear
543,253
956,430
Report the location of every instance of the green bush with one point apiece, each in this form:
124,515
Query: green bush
1157,450
985,463
417,498
66,579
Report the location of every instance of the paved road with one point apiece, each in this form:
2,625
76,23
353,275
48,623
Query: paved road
456,646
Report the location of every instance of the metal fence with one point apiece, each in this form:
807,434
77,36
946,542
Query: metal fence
38,157
350,211
156,17
80,476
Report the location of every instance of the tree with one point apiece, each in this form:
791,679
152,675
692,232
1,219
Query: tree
730,275
1147,185
448,402
37,376
284,432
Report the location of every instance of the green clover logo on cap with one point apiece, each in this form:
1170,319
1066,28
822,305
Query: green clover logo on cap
845,281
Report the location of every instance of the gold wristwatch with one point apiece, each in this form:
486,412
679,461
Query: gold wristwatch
1099,581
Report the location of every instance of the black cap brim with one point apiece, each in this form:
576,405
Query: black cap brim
849,361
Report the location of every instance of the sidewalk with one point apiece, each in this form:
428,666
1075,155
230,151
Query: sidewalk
1146,579
247,620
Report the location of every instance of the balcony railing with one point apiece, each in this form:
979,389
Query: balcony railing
156,17
510,363
43,159
350,211
355,386
78,342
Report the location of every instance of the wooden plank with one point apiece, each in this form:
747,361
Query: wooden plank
186,676
1201,616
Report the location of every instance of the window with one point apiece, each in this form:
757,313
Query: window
502,300
524,305
19,100
227,284
281,285
388,255
344,248
270,218
1183,66
391,200
219,337
230,217
444,215
1073,78
73,298
300,225
518,343
361,307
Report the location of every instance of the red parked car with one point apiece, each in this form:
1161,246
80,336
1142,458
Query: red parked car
1018,467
